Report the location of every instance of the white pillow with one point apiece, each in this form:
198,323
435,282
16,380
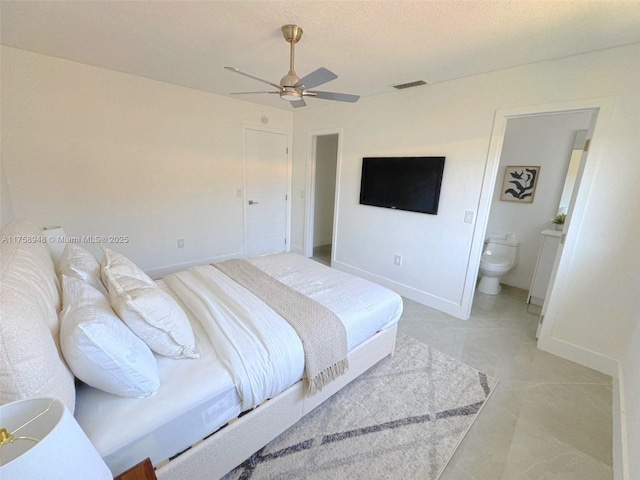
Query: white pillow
100,350
79,262
118,265
31,364
153,315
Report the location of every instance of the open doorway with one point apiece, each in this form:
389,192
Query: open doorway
578,204
322,197
541,144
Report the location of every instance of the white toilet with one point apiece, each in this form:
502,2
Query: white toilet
499,257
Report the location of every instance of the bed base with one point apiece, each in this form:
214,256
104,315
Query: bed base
218,454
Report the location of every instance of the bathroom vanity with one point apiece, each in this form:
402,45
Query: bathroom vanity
544,266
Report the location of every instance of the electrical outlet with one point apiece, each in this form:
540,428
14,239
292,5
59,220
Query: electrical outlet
397,260
181,243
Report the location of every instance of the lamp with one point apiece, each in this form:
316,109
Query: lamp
40,439
56,239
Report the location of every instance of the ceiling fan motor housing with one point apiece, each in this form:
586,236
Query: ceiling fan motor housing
289,80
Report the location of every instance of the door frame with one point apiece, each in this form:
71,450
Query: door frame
312,141
261,128
602,108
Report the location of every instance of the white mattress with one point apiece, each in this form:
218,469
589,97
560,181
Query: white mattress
197,396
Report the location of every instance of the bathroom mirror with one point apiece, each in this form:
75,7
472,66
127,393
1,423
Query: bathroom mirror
572,171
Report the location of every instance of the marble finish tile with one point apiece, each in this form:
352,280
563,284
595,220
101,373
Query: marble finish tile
322,254
537,455
549,418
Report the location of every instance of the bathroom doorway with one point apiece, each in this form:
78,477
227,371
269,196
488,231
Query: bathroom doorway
535,141
579,197
321,199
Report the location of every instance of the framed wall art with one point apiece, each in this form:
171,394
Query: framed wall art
519,184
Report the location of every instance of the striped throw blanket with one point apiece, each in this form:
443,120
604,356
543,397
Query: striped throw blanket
323,335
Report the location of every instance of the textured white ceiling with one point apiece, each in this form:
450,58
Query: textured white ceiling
371,45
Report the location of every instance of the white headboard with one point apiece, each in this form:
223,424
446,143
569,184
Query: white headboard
31,364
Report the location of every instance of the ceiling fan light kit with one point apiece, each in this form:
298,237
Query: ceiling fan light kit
293,88
290,94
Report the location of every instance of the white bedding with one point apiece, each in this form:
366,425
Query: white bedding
260,349
364,307
197,396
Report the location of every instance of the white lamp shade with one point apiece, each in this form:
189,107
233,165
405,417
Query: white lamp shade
56,240
63,453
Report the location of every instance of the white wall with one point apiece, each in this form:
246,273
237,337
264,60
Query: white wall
6,204
104,153
325,188
546,141
455,119
630,396
435,248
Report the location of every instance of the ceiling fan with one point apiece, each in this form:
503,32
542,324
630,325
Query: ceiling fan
293,88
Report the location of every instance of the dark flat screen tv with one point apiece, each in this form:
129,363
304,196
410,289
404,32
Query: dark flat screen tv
402,183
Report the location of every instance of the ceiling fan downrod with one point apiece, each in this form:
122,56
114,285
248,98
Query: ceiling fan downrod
292,34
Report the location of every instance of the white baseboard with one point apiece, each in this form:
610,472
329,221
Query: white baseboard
517,281
321,242
446,306
607,366
620,447
536,301
583,356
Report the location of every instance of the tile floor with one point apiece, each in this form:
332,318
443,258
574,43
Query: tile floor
322,254
548,418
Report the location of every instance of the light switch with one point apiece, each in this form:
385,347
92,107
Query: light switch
468,216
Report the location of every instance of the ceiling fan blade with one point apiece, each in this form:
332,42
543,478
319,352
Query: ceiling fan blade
339,97
315,78
232,69
298,103
249,93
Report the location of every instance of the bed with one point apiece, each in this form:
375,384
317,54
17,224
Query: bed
202,417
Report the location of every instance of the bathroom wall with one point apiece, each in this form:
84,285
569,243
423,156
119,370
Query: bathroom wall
546,141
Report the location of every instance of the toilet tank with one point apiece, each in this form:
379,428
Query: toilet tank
505,246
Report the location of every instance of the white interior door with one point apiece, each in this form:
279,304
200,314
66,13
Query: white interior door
266,187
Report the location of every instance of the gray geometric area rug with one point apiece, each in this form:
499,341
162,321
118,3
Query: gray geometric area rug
402,419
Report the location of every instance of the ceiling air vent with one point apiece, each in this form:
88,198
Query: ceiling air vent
417,83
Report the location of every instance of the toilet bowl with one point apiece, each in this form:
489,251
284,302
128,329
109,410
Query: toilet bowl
500,255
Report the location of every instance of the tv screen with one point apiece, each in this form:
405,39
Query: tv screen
403,183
